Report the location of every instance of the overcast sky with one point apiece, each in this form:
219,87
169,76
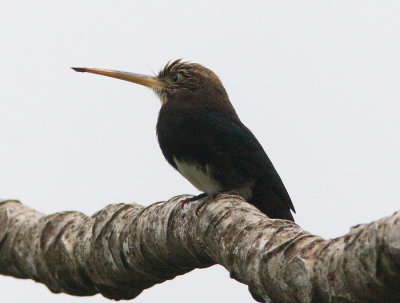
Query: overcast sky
316,81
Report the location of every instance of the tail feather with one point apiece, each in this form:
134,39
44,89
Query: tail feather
272,206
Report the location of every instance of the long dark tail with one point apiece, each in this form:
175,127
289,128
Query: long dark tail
272,205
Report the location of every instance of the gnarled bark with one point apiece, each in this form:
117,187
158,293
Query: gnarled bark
124,249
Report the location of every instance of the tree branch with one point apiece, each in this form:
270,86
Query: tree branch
124,249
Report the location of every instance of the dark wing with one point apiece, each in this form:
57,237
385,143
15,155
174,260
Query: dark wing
238,147
221,141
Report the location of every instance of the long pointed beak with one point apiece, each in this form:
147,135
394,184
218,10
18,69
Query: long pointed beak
149,81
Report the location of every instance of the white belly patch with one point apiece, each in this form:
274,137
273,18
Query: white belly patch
200,177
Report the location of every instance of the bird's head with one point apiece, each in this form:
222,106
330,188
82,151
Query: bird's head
180,81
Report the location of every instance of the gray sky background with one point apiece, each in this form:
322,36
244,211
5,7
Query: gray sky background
316,81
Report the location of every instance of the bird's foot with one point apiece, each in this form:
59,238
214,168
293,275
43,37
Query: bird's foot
227,192
194,198
202,204
206,198
233,192
198,197
212,197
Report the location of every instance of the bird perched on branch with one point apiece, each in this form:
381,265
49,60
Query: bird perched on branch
202,137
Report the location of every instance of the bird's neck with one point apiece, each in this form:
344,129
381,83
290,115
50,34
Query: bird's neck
196,100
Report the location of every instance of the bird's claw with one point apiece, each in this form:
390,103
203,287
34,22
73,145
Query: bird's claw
201,205
192,199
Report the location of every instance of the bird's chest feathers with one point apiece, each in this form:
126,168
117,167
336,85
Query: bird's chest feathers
199,176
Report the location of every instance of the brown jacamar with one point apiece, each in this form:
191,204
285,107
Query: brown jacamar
202,137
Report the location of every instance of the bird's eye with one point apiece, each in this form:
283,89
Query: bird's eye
176,78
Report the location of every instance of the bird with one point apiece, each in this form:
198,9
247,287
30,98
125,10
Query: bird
201,136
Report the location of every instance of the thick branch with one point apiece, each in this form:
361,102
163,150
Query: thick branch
124,249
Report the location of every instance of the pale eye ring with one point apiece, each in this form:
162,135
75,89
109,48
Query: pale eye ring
176,78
